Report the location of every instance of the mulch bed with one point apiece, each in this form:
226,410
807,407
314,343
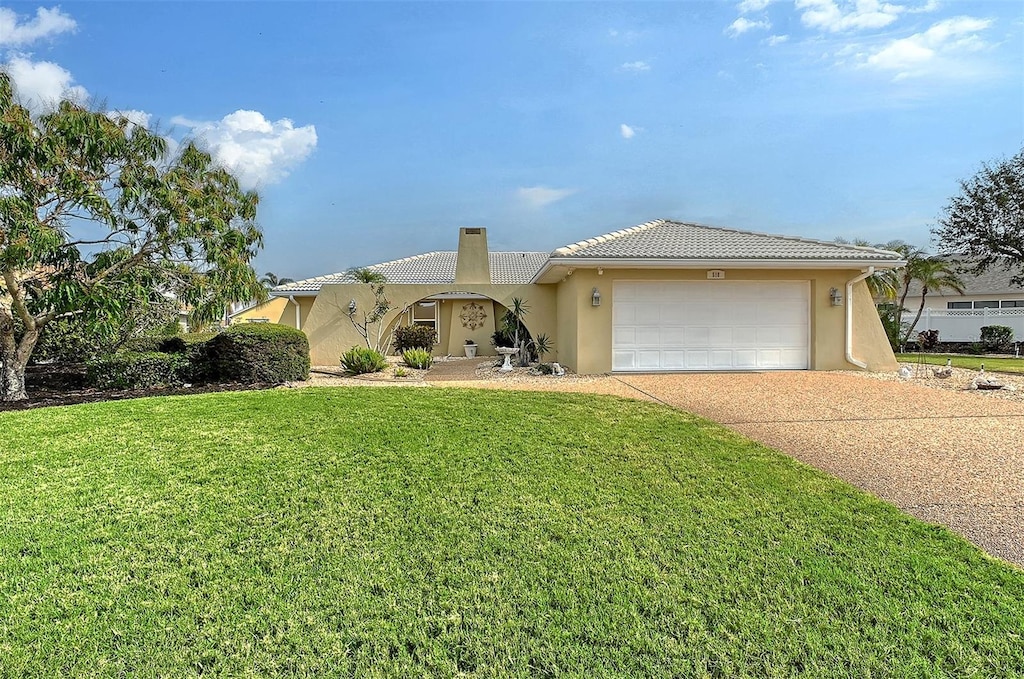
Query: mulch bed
63,385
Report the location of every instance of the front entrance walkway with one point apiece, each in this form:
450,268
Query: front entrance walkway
949,457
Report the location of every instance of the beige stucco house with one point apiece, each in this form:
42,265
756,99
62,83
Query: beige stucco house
661,296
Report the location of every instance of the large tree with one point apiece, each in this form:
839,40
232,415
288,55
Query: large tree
984,223
96,216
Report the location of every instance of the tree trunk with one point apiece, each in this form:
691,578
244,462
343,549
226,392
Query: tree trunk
920,310
13,359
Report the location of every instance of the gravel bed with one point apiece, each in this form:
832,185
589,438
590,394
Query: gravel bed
960,380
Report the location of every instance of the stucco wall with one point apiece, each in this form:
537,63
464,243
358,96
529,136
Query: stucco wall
274,310
593,325
331,333
869,341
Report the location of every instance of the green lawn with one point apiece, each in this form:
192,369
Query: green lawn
426,532
1006,365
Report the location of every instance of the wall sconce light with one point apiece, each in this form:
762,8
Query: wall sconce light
835,296
351,307
595,299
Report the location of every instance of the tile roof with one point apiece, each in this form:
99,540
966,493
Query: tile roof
507,268
996,280
665,239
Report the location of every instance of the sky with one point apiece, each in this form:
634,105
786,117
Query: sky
373,130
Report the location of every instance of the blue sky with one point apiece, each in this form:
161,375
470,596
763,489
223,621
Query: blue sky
374,130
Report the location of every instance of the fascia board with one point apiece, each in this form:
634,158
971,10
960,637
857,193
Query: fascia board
651,263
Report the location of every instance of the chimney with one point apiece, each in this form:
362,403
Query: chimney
472,264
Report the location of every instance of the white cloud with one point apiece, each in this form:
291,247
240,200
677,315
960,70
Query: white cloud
927,52
635,66
828,16
40,85
748,6
742,25
626,131
257,150
774,40
537,197
46,24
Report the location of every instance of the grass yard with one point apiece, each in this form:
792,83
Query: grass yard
427,532
1005,365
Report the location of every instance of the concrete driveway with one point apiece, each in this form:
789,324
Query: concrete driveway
949,457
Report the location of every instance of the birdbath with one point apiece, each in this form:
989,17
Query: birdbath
507,352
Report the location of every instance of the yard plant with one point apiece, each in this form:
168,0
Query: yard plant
409,532
417,358
992,364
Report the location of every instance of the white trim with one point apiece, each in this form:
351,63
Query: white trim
682,263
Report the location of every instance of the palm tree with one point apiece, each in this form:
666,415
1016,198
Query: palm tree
270,280
884,284
934,274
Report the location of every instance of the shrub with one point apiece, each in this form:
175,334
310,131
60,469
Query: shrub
414,337
132,370
996,337
253,353
68,340
362,360
147,345
545,369
417,358
927,340
401,372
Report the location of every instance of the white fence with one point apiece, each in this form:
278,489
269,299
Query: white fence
964,325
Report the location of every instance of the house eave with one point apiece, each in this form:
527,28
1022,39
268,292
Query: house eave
552,271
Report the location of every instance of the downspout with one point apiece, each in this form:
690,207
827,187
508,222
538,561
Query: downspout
298,312
849,317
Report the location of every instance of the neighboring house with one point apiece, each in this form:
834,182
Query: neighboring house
661,296
988,299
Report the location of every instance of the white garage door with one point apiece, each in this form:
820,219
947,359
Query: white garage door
710,325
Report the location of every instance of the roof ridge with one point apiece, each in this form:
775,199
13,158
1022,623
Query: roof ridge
579,245
799,239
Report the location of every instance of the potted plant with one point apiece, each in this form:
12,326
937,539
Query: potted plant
470,349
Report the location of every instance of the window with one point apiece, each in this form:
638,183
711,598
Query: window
958,305
987,304
1012,303
424,313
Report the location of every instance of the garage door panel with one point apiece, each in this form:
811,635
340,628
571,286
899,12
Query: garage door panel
697,336
624,360
647,313
721,337
672,337
745,358
648,335
744,335
769,358
793,360
648,359
623,314
722,359
624,336
673,359
710,325
698,359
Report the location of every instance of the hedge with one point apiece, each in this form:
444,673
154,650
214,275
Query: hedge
133,370
256,353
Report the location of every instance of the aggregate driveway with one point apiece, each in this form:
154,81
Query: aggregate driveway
950,457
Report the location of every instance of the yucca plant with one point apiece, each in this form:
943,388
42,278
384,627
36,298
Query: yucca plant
417,358
360,360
